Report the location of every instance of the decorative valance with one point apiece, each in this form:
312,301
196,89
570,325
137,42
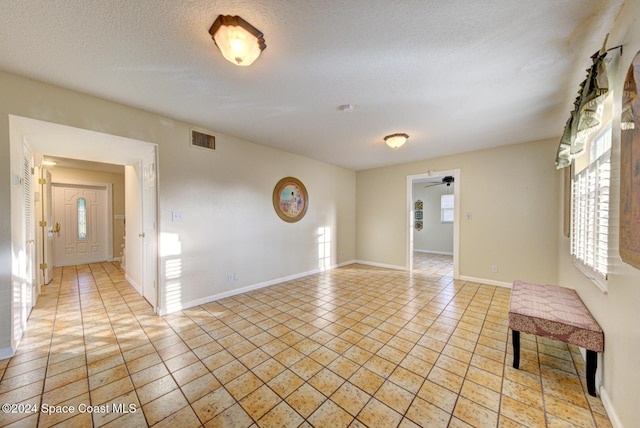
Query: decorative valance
586,117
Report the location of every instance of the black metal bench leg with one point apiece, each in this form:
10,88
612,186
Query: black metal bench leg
515,338
592,365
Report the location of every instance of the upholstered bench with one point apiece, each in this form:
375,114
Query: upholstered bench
557,313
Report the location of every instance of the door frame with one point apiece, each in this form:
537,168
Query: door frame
62,141
455,173
89,184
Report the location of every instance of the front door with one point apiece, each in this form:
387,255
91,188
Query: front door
80,225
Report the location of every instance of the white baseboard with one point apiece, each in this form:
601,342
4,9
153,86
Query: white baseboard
608,406
7,353
134,284
212,298
381,265
486,281
350,262
443,253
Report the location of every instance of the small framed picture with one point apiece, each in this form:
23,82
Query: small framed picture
418,215
418,205
418,225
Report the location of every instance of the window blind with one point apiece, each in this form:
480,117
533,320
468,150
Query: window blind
590,209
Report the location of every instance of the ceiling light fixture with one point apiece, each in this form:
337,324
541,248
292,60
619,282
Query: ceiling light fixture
240,42
49,163
396,140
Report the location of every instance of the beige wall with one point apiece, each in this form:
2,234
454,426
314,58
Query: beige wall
435,237
117,188
508,212
618,311
229,222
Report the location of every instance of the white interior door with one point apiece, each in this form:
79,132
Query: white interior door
80,228
44,237
29,291
47,213
149,229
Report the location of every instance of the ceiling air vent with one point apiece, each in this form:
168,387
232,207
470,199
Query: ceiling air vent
200,139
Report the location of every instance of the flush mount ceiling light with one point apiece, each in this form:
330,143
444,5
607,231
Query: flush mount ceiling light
396,140
240,42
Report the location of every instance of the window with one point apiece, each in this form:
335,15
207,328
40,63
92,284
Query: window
590,211
446,208
82,219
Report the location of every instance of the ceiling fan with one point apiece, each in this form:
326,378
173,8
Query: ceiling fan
448,180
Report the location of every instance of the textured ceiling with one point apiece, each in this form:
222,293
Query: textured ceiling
456,76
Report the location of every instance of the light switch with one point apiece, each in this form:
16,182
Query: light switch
176,216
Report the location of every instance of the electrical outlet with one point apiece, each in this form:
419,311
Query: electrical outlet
494,268
231,276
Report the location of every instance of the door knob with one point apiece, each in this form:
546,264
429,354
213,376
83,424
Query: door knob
141,235
56,229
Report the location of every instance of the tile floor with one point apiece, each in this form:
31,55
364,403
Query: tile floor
356,346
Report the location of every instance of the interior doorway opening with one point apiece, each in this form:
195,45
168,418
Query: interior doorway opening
433,219
33,137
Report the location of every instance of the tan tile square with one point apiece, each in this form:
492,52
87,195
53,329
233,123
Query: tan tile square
380,366
326,381
181,361
521,413
189,373
350,398
156,389
484,378
200,387
144,362
366,380
212,404
343,367
394,396
306,368
578,416
416,365
329,414
114,389
64,378
229,371
481,395
438,396
376,414
268,369
323,355
150,374
289,356
215,361
406,379
243,385
260,401
474,414
338,345
305,400
285,383
184,418
234,416
452,365
66,392
253,358
446,379
164,406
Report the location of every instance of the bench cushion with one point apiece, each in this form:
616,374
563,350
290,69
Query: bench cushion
554,312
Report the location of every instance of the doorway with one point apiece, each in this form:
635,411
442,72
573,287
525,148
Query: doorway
433,218
82,220
74,143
